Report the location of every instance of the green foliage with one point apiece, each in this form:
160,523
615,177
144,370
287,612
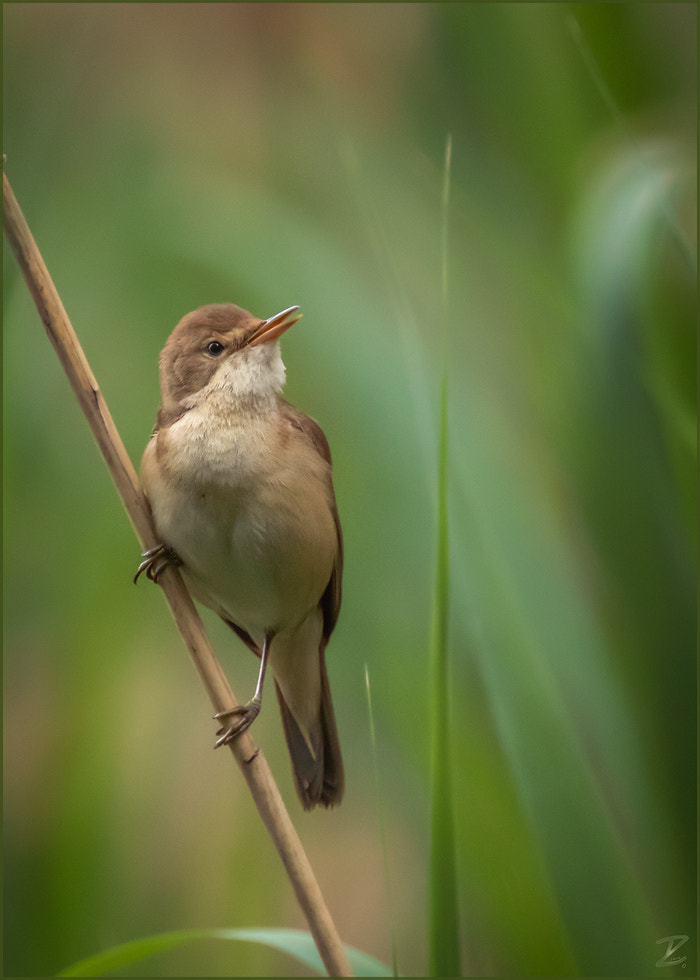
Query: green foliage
382,825
168,156
293,942
444,951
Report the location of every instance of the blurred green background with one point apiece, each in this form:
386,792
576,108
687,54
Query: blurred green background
172,155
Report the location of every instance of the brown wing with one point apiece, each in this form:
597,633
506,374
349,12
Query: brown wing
331,598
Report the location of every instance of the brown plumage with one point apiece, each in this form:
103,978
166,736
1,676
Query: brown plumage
241,489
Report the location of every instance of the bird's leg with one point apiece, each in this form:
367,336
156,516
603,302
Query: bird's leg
155,560
245,714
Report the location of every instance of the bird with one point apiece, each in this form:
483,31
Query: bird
240,487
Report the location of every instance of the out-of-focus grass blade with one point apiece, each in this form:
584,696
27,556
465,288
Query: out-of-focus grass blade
618,250
443,939
663,204
294,942
380,807
444,947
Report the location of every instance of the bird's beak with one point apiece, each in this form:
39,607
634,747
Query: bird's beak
274,327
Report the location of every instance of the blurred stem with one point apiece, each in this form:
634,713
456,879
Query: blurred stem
250,759
382,828
444,945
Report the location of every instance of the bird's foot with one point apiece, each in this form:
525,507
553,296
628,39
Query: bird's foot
155,560
243,714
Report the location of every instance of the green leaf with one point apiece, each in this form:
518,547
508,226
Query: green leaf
444,944
294,942
380,809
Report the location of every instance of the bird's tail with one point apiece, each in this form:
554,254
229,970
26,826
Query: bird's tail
319,776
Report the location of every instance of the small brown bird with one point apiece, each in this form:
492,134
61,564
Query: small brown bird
241,491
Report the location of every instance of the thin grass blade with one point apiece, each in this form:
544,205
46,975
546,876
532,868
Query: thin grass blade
443,913
295,942
382,827
444,944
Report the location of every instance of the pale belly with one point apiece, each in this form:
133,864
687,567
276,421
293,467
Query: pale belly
260,556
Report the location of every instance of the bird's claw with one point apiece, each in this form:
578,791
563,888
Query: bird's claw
155,560
246,715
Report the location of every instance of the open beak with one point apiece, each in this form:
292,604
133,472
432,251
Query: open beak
274,327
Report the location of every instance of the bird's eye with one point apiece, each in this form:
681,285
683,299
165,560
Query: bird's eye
215,348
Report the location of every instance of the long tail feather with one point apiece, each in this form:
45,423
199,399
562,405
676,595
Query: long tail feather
319,777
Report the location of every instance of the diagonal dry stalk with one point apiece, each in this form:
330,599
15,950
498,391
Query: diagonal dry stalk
250,759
